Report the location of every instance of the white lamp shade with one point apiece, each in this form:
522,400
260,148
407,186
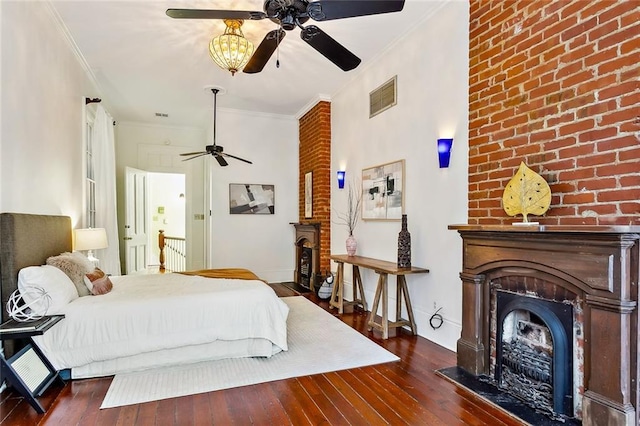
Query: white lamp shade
90,239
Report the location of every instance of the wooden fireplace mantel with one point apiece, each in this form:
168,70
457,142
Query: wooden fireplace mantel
600,265
578,229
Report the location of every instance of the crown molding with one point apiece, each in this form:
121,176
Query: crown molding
313,102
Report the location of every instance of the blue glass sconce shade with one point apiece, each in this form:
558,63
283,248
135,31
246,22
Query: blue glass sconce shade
444,152
341,174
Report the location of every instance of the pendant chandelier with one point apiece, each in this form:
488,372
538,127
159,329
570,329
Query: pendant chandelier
231,51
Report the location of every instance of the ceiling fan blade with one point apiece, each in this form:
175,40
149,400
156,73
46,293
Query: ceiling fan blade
325,10
196,156
193,153
215,14
237,158
264,51
221,160
331,49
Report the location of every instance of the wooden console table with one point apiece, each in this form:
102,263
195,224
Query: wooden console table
383,269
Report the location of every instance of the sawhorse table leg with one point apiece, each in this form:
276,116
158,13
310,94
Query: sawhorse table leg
357,288
401,294
381,293
336,300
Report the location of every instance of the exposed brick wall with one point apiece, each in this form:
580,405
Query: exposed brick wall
315,156
556,84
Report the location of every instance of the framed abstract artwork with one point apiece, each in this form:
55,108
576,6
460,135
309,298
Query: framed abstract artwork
248,198
383,191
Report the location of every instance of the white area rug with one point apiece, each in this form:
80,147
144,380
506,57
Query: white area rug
318,343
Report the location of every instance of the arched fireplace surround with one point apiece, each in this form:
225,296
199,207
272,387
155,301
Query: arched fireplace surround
597,264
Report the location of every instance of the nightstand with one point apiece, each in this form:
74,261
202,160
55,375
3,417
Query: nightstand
29,371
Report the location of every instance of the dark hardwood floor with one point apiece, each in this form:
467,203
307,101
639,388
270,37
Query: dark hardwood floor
405,392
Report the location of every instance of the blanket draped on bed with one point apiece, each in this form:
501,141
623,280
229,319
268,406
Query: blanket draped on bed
237,273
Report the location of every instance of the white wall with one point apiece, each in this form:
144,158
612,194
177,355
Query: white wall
262,243
431,63
43,88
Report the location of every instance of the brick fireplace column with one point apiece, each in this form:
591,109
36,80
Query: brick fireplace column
315,156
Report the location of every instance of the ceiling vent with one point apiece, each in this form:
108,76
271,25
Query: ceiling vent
384,97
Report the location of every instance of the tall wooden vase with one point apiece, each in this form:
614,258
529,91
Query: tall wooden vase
404,245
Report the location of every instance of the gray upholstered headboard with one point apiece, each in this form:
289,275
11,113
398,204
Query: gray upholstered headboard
28,240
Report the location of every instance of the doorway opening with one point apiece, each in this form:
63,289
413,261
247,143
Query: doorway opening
167,211
154,202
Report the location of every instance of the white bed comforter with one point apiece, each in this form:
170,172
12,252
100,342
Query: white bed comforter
146,313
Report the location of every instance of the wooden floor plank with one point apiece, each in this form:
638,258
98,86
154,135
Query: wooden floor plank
405,392
330,411
147,413
295,411
358,401
219,410
274,413
237,407
347,410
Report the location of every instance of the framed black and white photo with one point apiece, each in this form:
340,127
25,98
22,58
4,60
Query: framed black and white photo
383,191
248,198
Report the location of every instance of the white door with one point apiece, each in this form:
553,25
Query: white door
136,226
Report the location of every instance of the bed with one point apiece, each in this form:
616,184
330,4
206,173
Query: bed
146,320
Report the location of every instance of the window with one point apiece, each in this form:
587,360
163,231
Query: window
90,180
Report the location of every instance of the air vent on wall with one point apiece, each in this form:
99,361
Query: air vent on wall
383,98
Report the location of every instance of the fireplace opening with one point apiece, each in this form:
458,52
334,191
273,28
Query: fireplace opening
307,273
306,267
534,352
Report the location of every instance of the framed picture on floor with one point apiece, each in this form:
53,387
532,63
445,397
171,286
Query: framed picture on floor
248,198
383,191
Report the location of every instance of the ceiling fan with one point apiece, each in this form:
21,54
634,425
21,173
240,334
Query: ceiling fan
216,150
291,13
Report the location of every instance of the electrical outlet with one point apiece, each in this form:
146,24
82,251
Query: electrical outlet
435,305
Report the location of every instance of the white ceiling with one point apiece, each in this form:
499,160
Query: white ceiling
145,62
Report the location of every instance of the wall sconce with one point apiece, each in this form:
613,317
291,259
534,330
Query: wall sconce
444,152
341,174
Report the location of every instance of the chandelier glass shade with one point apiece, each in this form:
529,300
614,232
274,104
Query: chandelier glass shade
231,51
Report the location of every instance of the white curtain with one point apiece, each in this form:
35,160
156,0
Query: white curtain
105,176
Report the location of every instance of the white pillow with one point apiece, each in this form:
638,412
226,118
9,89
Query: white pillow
53,281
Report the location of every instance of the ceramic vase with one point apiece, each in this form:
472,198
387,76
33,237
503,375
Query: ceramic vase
352,244
404,245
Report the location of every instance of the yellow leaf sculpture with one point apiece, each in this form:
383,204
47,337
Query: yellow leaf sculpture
526,193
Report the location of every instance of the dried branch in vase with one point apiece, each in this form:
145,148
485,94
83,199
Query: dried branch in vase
352,215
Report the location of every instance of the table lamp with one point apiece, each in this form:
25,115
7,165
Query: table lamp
91,239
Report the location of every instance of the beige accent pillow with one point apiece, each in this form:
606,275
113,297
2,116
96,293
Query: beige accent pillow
75,265
98,282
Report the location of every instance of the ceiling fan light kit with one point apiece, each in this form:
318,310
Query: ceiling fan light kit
289,14
231,50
